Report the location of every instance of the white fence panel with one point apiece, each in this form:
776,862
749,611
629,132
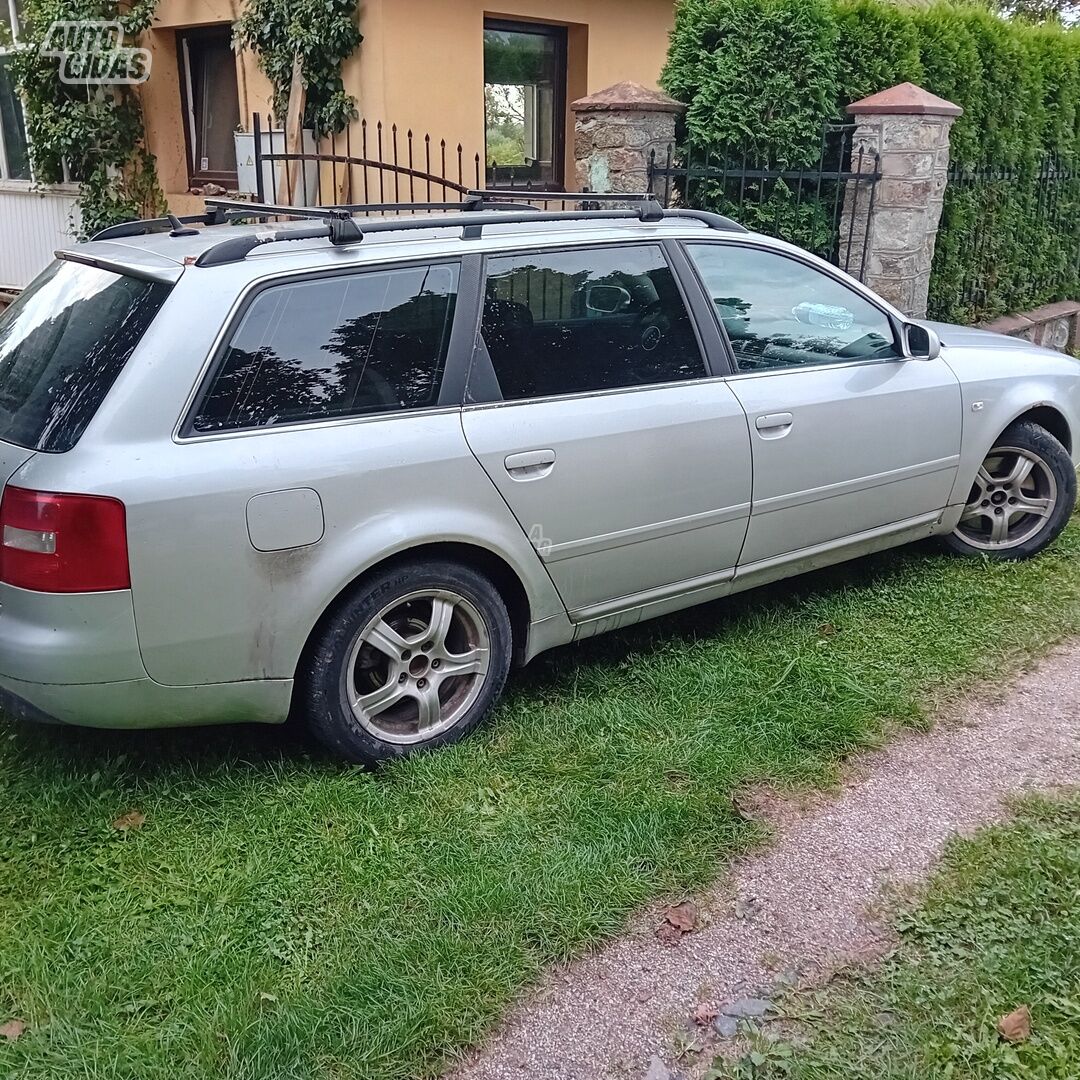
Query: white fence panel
33,224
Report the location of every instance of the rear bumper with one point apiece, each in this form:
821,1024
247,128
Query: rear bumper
76,660
143,703
68,638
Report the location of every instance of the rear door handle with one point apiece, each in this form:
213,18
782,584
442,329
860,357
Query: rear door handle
530,464
774,425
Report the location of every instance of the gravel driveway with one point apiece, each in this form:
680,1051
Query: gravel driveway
806,905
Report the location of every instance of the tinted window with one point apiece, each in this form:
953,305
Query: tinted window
62,344
572,321
12,128
341,346
781,313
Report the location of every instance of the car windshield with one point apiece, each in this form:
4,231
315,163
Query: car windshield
62,344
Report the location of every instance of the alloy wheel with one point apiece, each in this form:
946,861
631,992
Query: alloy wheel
1013,496
418,666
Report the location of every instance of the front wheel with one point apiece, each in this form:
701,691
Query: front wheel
1021,499
413,660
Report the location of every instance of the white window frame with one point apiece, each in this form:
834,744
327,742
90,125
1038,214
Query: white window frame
5,50
8,182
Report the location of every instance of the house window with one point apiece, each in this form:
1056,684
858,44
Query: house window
14,157
211,104
524,104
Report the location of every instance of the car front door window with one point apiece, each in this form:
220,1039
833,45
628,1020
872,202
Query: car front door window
781,313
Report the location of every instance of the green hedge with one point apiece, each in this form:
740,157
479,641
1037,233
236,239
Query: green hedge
767,73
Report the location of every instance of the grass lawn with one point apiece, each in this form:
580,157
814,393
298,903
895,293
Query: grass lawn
278,916
998,929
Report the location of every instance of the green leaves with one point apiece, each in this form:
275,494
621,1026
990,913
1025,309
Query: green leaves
322,33
764,76
728,61
94,135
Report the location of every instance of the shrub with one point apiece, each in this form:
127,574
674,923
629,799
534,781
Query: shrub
765,75
724,64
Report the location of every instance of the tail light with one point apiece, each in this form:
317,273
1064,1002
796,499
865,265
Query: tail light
62,543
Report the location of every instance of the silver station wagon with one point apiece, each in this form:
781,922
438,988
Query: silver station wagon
357,466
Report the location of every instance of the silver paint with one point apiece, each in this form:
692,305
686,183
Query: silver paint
607,507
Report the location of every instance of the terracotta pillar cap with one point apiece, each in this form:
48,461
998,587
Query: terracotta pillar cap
906,99
627,97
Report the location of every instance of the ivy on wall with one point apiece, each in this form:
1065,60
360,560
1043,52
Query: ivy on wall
93,134
322,34
768,73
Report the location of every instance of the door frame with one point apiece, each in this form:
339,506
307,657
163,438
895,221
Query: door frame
184,39
557,33
761,570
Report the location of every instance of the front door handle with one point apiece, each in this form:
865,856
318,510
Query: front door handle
530,465
774,425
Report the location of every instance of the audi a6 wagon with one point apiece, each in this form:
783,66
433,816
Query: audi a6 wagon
358,467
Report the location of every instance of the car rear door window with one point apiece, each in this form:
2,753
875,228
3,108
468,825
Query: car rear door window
573,321
63,342
781,313
342,346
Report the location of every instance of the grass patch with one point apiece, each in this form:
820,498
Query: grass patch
998,929
278,916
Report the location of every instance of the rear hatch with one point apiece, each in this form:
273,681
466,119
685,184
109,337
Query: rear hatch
63,342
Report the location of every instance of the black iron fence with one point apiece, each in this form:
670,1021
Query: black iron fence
1009,240
374,163
822,204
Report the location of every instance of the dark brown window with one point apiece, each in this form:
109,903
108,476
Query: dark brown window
211,103
14,158
524,104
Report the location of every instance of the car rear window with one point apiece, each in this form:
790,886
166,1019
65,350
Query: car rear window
341,346
62,344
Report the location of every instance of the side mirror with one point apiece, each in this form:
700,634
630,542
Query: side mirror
922,343
607,299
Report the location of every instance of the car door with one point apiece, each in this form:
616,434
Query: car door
624,459
848,436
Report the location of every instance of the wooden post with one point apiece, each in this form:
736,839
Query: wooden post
294,135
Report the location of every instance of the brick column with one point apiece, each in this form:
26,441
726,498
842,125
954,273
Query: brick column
616,130
909,129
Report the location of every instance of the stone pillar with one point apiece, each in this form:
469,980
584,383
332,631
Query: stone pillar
615,132
908,128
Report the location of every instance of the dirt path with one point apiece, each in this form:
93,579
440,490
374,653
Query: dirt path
806,904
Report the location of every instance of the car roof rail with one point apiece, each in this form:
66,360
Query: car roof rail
176,225
339,225
649,209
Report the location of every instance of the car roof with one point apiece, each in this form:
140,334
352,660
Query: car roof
163,255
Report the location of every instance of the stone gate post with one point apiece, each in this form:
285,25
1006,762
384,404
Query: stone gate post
908,128
615,132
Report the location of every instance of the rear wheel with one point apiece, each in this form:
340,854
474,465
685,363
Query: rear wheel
413,660
1021,499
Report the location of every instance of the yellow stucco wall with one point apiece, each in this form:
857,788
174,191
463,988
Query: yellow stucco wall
421,66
